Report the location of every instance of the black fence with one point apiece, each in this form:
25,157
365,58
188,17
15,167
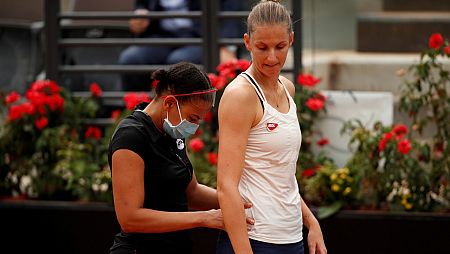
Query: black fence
210,17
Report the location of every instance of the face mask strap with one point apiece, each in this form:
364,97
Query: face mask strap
179,111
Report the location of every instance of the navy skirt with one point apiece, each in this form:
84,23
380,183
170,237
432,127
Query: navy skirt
258,247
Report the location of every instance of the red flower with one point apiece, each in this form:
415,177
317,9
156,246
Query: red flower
115,114
41,100
315,104
436,40
404,146
307,80
382,144
439,150
198,132
320,96
17,111
133,99
243,64
309,172
224,66
218,82
12,97
447,50
41,122
440,147
95,89
213,157
28,108
208,116
400,130
322,141
445,182
35,97
229,69
38,100
45,86
384,140
55,102
93,132
196,144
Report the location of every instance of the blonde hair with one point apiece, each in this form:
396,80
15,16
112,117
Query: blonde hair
268,12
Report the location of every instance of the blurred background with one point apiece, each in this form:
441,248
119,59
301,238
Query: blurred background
348,43
359,51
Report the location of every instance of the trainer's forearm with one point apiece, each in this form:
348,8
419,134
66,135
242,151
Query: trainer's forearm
152,221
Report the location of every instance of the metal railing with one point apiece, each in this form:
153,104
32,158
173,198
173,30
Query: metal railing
210,42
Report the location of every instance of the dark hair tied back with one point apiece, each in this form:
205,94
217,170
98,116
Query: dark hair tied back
181,78
160,75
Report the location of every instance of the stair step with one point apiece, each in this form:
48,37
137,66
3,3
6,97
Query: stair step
399,31
416,5
102,122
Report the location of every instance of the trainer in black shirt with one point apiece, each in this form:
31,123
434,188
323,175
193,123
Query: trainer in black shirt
157,198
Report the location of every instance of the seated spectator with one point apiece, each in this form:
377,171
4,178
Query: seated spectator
171,28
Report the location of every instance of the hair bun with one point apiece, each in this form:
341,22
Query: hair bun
160,75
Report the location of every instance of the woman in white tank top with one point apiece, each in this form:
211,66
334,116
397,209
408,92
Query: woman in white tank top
259,144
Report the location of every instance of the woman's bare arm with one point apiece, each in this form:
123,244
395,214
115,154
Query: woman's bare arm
236,116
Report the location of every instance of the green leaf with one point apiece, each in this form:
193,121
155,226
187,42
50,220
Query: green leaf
326,211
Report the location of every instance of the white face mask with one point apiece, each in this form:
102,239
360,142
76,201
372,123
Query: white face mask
184,129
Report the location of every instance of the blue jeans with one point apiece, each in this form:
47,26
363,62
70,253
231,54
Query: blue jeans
258,247
141,55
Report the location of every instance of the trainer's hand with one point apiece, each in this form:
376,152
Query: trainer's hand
213,218
250,221
138,25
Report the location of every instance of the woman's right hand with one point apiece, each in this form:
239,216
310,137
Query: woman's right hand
138,25
214,218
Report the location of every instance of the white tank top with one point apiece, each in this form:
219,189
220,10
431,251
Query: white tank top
268,180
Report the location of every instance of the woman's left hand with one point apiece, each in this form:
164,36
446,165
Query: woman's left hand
316,244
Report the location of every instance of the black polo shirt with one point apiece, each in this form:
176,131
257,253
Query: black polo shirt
167,174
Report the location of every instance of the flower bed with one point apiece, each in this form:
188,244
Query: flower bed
394,167
49,148
50,152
